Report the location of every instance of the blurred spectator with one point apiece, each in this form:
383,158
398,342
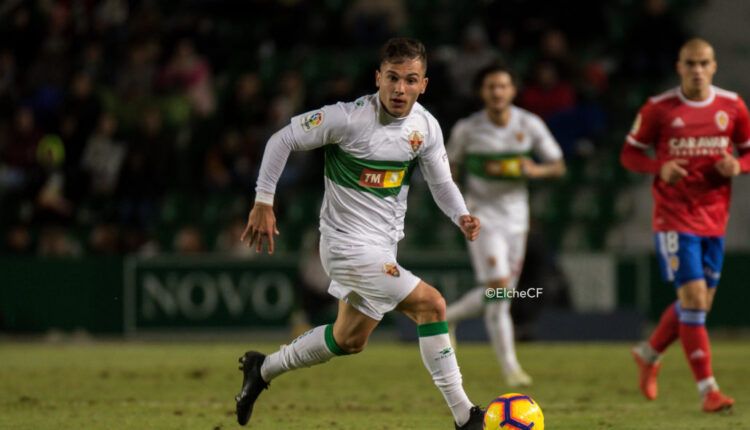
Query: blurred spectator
57,242
8,82
189,240
19,145
547,93
228,241
136,79
652,41
144,172
104,239
290,99
474,54
247,104
370,22
18,240
103,156
190,74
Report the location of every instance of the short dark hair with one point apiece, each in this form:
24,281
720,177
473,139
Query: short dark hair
496,67
399,49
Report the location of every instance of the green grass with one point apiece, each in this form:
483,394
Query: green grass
191,386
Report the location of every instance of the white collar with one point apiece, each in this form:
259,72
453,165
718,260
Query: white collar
697,103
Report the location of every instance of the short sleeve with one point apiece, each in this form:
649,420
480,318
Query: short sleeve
645,130
543,143
741,135
433,161
319,127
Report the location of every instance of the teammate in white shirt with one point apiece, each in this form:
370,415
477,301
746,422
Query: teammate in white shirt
371,148
494,147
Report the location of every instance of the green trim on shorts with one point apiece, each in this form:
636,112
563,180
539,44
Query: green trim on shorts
432,329
331,342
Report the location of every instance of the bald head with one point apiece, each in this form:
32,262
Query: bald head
696,67
694,45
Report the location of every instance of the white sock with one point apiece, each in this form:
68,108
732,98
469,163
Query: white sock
706,385
469,305
440,360
648,353
312,347
499,325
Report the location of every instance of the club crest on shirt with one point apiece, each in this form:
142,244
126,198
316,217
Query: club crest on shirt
722,120
312,120
391,269
415,140
520,136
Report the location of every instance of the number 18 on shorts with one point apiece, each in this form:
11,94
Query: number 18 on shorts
685,257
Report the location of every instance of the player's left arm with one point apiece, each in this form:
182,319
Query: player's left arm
730,166
436,170
547,149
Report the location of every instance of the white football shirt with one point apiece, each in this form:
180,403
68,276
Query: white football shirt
491,155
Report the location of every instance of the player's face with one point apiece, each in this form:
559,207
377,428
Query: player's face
696,67
399,85
497,91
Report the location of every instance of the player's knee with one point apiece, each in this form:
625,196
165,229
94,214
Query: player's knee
435,308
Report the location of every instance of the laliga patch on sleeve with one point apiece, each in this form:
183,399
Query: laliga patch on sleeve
312,120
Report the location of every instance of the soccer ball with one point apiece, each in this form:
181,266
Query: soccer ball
513,411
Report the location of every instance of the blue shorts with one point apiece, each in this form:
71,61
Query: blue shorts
685,257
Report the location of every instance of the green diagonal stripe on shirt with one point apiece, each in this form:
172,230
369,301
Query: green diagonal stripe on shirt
349,171
500,167
432,329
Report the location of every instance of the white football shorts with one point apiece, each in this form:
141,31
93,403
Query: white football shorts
496,255
367,277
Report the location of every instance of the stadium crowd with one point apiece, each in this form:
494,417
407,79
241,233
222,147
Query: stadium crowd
137,126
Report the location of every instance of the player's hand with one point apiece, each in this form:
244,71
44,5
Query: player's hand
728,166
261,225
672,171
530,169
469,226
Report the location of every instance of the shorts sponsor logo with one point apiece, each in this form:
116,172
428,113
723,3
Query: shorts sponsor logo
312,120
722,120
415,140
381,178
391,269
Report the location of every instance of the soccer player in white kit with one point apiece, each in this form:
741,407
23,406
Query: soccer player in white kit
494,147
371,148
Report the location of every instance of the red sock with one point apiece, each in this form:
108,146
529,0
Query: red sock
667,331
697,349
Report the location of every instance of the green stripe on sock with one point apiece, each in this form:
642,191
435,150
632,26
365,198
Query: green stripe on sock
331,342
432,329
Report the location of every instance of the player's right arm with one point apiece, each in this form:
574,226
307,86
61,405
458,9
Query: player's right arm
307,131
644,135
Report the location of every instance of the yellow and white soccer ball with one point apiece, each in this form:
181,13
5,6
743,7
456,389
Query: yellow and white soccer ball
514,411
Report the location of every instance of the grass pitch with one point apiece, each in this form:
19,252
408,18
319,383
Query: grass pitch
191,386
